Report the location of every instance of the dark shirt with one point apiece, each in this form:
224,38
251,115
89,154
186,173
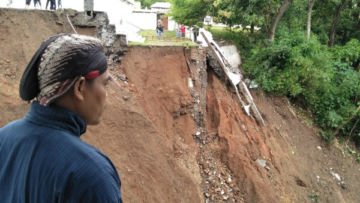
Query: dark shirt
43,160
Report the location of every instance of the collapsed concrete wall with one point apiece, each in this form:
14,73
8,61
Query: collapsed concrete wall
115,44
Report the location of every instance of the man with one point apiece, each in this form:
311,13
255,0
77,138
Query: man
27,3
195,32
42,157
52,4
182,30
37,2
159,28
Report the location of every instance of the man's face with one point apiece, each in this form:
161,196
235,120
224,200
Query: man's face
94,98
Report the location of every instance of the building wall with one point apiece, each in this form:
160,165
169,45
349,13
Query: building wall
144,20
171,24
117,10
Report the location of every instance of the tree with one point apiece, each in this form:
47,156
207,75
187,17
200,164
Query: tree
190,12
335,21
308,22
262,13
148,3
284,6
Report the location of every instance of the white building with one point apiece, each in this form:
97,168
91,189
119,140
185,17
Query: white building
161,7
144,19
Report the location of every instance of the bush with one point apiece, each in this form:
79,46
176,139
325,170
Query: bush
244,41
325,80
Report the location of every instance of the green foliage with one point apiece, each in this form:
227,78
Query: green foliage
314,197
258,13
323,80
244,41
349,54
347,25
148,3
189,12
320,78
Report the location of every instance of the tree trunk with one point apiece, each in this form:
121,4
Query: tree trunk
308,24
252,28
334,23
284,6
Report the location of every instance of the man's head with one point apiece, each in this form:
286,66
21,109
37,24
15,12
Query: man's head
69,70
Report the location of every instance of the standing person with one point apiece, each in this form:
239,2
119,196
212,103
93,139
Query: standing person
36,2
159,28
42,156
27,3
182,30
59,4
195,32
10,2
177,30
52,4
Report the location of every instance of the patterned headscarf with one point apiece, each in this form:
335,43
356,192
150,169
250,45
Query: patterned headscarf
59,62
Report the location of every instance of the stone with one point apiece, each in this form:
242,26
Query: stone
126,97
261,162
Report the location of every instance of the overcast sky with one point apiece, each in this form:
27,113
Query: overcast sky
74,4
110,6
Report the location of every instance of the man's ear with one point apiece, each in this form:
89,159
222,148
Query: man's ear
79,89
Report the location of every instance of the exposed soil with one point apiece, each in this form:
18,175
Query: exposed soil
164,153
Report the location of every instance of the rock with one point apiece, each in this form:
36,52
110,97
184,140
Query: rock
335,175
121,77
229,180
253,84
261,162
126,97
343,186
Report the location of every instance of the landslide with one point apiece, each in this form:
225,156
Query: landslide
149,132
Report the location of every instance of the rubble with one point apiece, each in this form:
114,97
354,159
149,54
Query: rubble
218,181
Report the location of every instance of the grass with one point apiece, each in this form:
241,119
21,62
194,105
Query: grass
168,39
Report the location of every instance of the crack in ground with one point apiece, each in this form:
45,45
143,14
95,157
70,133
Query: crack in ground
218,182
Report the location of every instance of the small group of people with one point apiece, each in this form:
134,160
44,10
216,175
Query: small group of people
180,31
38,3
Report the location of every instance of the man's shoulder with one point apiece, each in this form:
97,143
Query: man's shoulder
91,161
96,174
